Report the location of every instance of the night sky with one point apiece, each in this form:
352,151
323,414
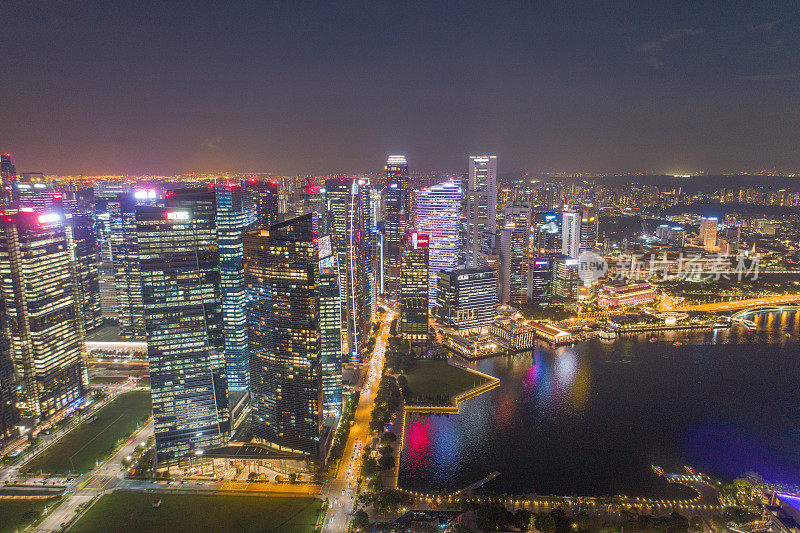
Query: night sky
146,87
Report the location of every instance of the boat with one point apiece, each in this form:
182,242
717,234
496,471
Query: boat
677,343
657,469
721,325
607,334
653,339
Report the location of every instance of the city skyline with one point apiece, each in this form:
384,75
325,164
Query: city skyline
674,88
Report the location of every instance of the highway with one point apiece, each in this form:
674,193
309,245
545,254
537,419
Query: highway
341,490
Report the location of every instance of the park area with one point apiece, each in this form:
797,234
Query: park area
96,438
436,381
18,513
192,513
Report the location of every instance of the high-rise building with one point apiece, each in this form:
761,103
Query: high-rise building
578,232
43,311
346,199
9,414
127,276
438,215
8,172
266,195
540,276
545,233
566,278
284,334
481,203
85,250
236,214
374,248
179,259
515,252
466,297
397,222
414,287
708,233
330,326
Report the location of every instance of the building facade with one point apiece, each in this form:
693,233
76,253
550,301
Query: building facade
438,215
179,265
481,203
43,312
284,334
397,200
235,214
414,287
466,298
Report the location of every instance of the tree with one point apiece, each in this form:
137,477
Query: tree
544,522
388,437
485,519
292,477
393,328
386,462
696,523
718,523
522,519
386,450
361,520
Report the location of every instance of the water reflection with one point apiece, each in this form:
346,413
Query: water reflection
592,418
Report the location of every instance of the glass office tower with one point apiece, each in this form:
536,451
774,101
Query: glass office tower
43,311
236,214
179,264
397,222
438,215
284,334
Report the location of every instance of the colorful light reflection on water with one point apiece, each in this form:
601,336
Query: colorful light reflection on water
592,418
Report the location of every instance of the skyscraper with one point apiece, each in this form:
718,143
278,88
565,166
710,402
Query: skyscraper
514,252
397,221
346,199
578,232
438,215
266,196
44,316
466,297
481,203
708,232
183,322
9,414
8,173
236,214
7,170
85,250
127,276
330,325
414,287
545,233
284,337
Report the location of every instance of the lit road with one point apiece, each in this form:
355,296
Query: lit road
341,490
742,304
101,479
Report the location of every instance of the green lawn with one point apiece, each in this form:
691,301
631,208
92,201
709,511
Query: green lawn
91,441
17,514
436,379
191,513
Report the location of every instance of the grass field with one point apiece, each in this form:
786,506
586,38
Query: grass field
433,378
191,513
17,514
106,380
80,448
